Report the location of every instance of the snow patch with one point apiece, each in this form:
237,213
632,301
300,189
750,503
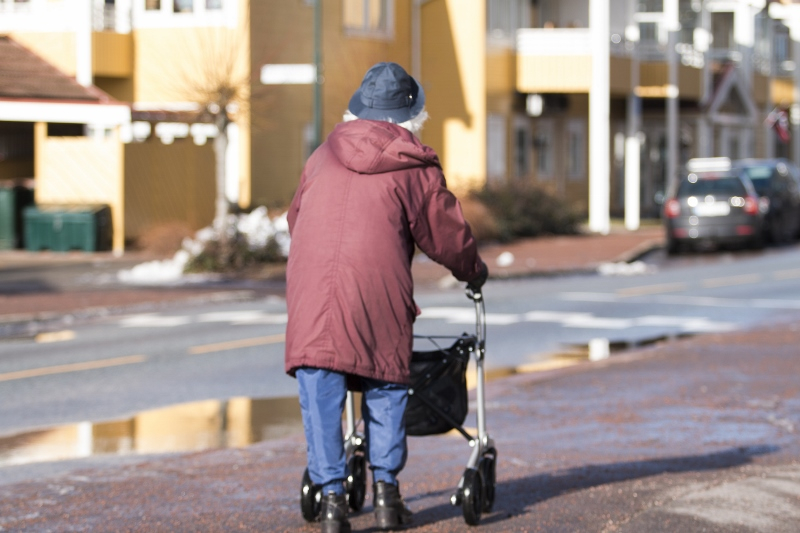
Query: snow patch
256,227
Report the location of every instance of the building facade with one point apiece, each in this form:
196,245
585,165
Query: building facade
601,101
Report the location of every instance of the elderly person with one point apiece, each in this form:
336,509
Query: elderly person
367,196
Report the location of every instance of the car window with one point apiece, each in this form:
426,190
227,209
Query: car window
724,186
760,176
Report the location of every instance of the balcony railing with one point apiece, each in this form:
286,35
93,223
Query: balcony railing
60,16
111,17
554,42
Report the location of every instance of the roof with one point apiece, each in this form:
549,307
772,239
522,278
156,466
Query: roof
26,76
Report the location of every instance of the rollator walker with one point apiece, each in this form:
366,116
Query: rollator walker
437,403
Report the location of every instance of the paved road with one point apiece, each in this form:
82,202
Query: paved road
116,366
691,435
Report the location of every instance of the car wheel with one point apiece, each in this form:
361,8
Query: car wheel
673,247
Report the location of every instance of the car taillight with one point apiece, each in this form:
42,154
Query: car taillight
751,205
672,208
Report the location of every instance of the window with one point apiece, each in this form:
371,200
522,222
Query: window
722,30
152,5
543,143
183,6
505,17
213,5
371,17
496,148
522,147
576,149
651,6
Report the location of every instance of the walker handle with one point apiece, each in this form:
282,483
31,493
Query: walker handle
480,317
474,295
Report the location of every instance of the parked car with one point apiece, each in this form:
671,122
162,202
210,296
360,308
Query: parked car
713,203
778,180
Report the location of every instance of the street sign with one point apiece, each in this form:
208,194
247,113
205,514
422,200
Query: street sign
303,73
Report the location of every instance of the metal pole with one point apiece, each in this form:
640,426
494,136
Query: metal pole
83,43
671,15
318,69
769,135
705,131
795,109
632,147
599,113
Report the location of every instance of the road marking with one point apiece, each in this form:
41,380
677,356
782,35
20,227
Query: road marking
705,301
548,364
245,317
732,280
232,345
652,289
464,315
55,336
153,320
787,274
73,367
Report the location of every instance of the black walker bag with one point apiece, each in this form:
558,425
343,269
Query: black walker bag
438,400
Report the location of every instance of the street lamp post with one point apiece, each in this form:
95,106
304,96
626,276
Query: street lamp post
318,69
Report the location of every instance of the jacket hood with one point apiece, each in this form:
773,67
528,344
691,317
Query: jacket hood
374,147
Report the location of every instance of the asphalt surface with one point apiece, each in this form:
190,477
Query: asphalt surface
689,435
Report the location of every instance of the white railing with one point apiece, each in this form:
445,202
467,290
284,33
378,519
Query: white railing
554,42
63,15
66,15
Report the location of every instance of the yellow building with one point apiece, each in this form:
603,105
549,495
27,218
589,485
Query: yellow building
577,95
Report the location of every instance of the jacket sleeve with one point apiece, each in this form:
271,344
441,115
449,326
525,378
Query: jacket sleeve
441,231
294,207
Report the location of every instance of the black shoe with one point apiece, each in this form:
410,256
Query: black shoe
333,514
390,509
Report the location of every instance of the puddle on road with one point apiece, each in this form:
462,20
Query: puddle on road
194,426
204,425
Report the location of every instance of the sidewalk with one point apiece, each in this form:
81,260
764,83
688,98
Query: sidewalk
687,436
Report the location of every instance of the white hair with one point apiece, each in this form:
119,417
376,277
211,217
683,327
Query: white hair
414,124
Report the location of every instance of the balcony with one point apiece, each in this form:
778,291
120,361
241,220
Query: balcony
554,60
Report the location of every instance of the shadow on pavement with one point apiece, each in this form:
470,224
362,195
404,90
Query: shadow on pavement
512,497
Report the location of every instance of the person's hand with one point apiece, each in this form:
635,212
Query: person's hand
476,284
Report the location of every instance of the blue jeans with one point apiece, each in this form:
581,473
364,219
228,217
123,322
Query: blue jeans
383,405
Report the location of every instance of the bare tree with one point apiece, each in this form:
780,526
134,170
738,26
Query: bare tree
221,87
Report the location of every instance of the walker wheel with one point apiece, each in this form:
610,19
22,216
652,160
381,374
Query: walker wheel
310,499
357,481
487,467
472,496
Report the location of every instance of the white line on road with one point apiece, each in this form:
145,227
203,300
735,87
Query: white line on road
154,320
463,315
245,317
706,301
732,280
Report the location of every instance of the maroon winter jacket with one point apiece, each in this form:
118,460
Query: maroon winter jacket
366,196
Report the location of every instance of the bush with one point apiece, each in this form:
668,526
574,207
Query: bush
237,256
527,210
480,219
163,239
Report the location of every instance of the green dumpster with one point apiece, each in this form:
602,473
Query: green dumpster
8,227
13,200
62,228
